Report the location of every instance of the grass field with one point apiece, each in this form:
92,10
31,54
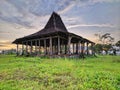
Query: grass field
34,73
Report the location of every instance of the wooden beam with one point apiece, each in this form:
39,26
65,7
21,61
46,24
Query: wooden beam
69,41
76,48
65,49
73,48
27,47
58,45
41,38
39,46
31,47
35,46
87,49
51,46
17,49
82,47
45,46
22,48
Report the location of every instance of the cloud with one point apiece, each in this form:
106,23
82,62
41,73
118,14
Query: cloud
5,42
83,3
2,45
91,25
28,12
108,1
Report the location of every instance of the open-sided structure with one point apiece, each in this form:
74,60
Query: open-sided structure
53,39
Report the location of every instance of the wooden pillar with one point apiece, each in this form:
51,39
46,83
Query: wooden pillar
82,47
69,41
51,46
22,48
79,48
61,46
17,49
65,49
39,46
76,48
87,48
35,46
45,46
93,52
31,47
26,47
58,45
73,48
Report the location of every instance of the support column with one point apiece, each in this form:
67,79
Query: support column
31,47
36,46
82,47
45,46
22,48
26,47
58,45
39,46
76,48
17,49
93,52
50,45
65,49
69,41
73,48
87,49
79,47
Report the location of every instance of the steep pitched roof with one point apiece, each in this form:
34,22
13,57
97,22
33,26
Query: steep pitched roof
54,24
55,21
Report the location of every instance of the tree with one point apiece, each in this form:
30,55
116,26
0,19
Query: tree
98,48
106,42
118,43
105,38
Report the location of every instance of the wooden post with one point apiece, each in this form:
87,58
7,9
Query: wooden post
65,49
31,47
50,45
87,49
73,48
26,47
82,47
36,46
69,41
58,45
93,52
76,48
79,48
17,49
39,46
22,48
45,46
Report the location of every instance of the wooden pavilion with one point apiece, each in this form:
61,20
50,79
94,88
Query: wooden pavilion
54,39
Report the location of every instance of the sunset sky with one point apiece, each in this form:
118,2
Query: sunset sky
19,18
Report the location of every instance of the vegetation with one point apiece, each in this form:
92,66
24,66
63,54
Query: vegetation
34,73
100,47
118,43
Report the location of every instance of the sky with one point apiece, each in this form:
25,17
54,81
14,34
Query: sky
86,18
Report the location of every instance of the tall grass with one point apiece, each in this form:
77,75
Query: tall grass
35,73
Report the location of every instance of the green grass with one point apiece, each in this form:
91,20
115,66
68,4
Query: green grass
34,73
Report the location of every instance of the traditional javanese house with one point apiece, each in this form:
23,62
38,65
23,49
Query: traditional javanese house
54,39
